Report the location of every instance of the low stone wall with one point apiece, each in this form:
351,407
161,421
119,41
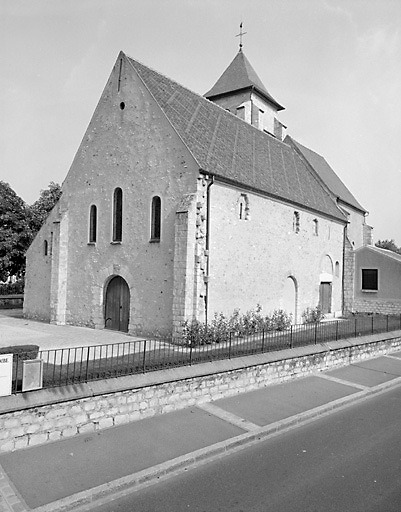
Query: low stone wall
385,307
47,415
11,301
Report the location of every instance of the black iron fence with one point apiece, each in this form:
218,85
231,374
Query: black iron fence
70,366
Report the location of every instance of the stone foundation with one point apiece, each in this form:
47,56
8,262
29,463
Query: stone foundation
47,415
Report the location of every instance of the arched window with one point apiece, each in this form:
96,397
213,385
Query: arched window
93,224
156,219
243,207
295,222
337,269
118,215
315,227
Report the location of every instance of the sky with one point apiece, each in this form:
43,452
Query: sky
334,65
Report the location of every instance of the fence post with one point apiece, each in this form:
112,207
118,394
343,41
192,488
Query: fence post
190,349
356,334
337,330
144,358
229,348
87,363
291,336
315,333
263,340
373,321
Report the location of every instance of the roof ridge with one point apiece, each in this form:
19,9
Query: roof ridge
254,162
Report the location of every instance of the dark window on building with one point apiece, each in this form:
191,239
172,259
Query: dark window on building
93,224
243,207
156,219
295,222
370,279
241,112
315,227
45,247
118,215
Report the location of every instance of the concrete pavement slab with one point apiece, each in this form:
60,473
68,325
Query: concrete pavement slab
371,372
50,472
268,405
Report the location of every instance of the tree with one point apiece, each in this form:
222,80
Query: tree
15,232
42,207
389,245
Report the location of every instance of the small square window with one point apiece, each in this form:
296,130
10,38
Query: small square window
370,279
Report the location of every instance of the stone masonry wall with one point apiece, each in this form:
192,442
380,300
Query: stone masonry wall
349,276
255,248
385,307
54,421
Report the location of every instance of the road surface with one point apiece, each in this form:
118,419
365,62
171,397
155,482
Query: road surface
349,461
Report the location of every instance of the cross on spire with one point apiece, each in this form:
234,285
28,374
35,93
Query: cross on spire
240,36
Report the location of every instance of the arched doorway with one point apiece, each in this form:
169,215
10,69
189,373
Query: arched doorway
325,287
290,298
117,305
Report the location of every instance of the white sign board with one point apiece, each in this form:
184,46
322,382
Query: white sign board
32,374
6,374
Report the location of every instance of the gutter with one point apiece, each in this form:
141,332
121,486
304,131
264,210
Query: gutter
211,181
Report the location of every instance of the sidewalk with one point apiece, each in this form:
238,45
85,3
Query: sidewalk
78,471
16,330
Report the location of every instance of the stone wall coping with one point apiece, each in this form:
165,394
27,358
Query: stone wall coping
49,396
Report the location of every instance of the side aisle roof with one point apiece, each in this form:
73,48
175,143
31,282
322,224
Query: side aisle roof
327,174
227,147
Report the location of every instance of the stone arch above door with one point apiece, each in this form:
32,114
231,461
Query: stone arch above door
326,269
290,297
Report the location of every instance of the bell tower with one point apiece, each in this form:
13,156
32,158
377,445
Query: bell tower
240,91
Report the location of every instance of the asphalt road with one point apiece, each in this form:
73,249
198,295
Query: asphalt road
349,461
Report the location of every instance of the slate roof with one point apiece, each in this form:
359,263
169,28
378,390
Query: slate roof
328,176
227,147
240,75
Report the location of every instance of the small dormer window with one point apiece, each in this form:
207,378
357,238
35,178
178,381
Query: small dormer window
240,112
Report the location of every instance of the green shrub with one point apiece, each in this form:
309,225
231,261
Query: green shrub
221,327
312,315
21,351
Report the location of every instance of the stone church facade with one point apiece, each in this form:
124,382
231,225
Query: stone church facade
178,206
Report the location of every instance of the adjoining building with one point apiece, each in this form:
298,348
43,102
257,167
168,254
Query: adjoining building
178,206
377,281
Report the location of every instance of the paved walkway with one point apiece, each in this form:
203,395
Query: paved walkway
16,330
93,468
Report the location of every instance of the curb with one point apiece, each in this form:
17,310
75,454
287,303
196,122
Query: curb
104,493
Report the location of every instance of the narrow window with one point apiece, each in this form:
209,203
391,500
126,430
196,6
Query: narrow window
243,207
295,222
315,227
156,219
241,112
45,247
337,269
118,215
370,279
93,224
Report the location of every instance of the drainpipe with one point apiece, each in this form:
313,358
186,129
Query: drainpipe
211,181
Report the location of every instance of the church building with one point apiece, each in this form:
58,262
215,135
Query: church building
178,206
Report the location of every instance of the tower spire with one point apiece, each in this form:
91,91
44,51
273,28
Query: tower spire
240,36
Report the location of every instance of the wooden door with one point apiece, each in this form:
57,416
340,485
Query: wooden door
325,297
117,305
